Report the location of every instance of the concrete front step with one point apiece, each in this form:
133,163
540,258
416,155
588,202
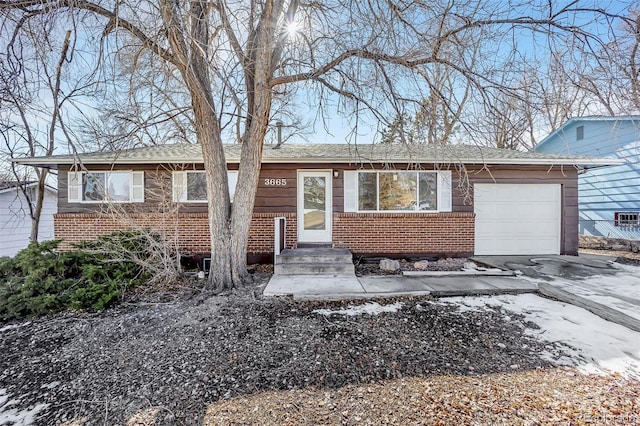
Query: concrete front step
312,255
314,261
314,269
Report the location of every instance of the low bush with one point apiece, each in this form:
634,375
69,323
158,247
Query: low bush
40,280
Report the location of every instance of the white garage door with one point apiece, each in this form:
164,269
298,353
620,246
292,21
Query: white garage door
517,219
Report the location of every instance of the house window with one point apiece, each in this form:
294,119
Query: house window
112,186
579,133
196,186
626,219
191,186
397,191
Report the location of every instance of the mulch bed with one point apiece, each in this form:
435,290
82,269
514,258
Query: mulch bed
183,357
371,266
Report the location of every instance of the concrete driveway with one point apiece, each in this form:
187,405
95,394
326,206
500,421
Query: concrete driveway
596,283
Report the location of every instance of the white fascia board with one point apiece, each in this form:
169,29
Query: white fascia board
520,162
55,161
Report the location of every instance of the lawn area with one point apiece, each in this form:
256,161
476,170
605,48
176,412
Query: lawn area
183,357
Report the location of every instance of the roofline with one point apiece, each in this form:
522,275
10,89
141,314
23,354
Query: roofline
599,162
31,185
588,118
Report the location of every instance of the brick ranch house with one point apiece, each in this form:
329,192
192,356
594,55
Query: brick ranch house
391,200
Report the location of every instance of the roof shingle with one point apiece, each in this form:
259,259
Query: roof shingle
324,153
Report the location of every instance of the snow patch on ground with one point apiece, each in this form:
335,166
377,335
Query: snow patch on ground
12,326
592,344
615,290
620,291
15,417
372,308
51,385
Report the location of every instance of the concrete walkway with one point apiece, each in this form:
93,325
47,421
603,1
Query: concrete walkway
314,287
591,282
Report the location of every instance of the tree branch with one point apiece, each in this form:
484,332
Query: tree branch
114,20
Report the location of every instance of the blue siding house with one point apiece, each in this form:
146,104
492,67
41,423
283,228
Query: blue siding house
608,197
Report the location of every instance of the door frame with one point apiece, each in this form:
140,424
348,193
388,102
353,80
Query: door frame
312,236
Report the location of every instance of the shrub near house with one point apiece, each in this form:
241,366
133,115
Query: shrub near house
39,280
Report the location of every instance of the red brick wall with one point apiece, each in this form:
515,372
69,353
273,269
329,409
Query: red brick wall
362,233
261,233
188,231
398,233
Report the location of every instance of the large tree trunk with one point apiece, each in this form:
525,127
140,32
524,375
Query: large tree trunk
258,73
191,58
220,274
208,133
244,199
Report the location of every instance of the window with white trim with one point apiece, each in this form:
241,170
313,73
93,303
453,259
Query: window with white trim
397,191
122,186
190,186
625,219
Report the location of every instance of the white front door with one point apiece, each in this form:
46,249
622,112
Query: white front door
314,206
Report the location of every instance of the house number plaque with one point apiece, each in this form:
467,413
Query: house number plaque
275,182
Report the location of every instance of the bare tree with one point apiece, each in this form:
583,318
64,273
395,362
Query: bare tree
612,74
19,133
438,113
235,58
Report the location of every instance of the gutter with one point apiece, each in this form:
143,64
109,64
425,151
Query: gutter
585,163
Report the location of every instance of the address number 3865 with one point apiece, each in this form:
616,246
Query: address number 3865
275,182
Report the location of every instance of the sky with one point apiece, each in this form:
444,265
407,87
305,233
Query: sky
329,128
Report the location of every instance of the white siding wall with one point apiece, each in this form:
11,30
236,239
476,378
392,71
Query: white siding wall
607,190
15,222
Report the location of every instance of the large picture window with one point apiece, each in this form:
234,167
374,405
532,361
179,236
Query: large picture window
397,191
191,186
108,186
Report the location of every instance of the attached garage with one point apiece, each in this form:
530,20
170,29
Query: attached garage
516,219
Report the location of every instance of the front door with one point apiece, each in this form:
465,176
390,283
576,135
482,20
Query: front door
314,206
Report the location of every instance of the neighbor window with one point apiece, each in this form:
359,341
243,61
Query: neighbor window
397,191
108,186
191,186
627,218
579,133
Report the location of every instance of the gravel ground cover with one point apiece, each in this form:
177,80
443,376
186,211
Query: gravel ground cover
183,357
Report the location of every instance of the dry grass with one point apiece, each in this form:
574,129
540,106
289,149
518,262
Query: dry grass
543,396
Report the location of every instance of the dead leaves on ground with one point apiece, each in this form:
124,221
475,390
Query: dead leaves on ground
540,397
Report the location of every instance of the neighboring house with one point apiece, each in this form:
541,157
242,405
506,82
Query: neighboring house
609,198
392,200
15,220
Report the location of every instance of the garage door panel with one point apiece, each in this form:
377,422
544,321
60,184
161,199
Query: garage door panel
517,218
